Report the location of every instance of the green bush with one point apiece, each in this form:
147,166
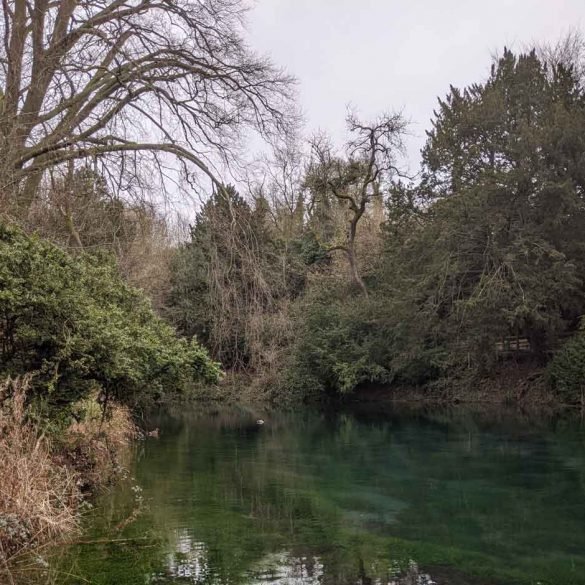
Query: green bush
566,372
77,325
344,340
336,346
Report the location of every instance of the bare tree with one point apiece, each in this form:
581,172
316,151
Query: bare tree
277,179
116,81
281,175
357,178
568,51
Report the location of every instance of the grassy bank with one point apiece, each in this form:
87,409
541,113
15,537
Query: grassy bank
47,475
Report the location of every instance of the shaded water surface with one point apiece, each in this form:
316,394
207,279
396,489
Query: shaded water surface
368,496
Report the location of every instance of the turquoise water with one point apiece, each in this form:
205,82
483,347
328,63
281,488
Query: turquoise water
370,495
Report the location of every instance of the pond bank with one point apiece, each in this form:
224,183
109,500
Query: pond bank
521,385
48,474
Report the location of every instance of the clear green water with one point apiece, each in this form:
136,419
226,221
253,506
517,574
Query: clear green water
340,498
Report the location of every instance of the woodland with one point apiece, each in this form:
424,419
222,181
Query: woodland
144,255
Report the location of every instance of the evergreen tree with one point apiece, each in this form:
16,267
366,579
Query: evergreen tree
504,210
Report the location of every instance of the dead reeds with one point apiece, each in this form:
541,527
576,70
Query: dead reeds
38,498
43,478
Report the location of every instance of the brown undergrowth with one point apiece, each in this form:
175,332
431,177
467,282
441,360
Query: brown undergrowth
44,477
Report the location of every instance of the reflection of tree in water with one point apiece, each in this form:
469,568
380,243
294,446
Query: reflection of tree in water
337,486
190,564
188,561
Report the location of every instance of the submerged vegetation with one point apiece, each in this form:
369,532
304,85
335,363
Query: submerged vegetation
474,496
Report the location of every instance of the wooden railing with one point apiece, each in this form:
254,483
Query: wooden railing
513,344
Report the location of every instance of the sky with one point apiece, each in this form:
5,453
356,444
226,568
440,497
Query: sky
390,55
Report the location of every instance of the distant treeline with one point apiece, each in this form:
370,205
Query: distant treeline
334,271
339,271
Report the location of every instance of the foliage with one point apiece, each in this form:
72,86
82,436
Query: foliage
567,369
79,211
486,246
489,245
232,277
503,173
335,348
340,345
73,322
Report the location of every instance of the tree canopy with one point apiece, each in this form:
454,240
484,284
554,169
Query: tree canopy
480,255
117,81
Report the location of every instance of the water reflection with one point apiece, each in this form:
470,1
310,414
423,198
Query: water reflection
188,562
284,569
403,497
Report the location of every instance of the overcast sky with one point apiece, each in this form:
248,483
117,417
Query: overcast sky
381,55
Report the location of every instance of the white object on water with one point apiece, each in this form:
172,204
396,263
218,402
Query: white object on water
259,422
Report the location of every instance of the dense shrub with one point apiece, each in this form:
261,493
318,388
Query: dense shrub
343,341
567,369
77,325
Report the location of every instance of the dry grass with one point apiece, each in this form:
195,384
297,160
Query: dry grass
38,499
95,445
42,480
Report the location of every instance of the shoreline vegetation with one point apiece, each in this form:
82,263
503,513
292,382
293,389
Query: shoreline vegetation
328,274
48,477
465,279
81,352
513,385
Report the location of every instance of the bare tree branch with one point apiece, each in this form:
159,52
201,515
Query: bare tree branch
355,179
86,78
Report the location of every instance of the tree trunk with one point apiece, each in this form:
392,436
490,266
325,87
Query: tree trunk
355,273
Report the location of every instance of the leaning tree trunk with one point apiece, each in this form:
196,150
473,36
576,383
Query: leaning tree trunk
355,273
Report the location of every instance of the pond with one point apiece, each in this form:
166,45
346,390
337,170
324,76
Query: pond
368,495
